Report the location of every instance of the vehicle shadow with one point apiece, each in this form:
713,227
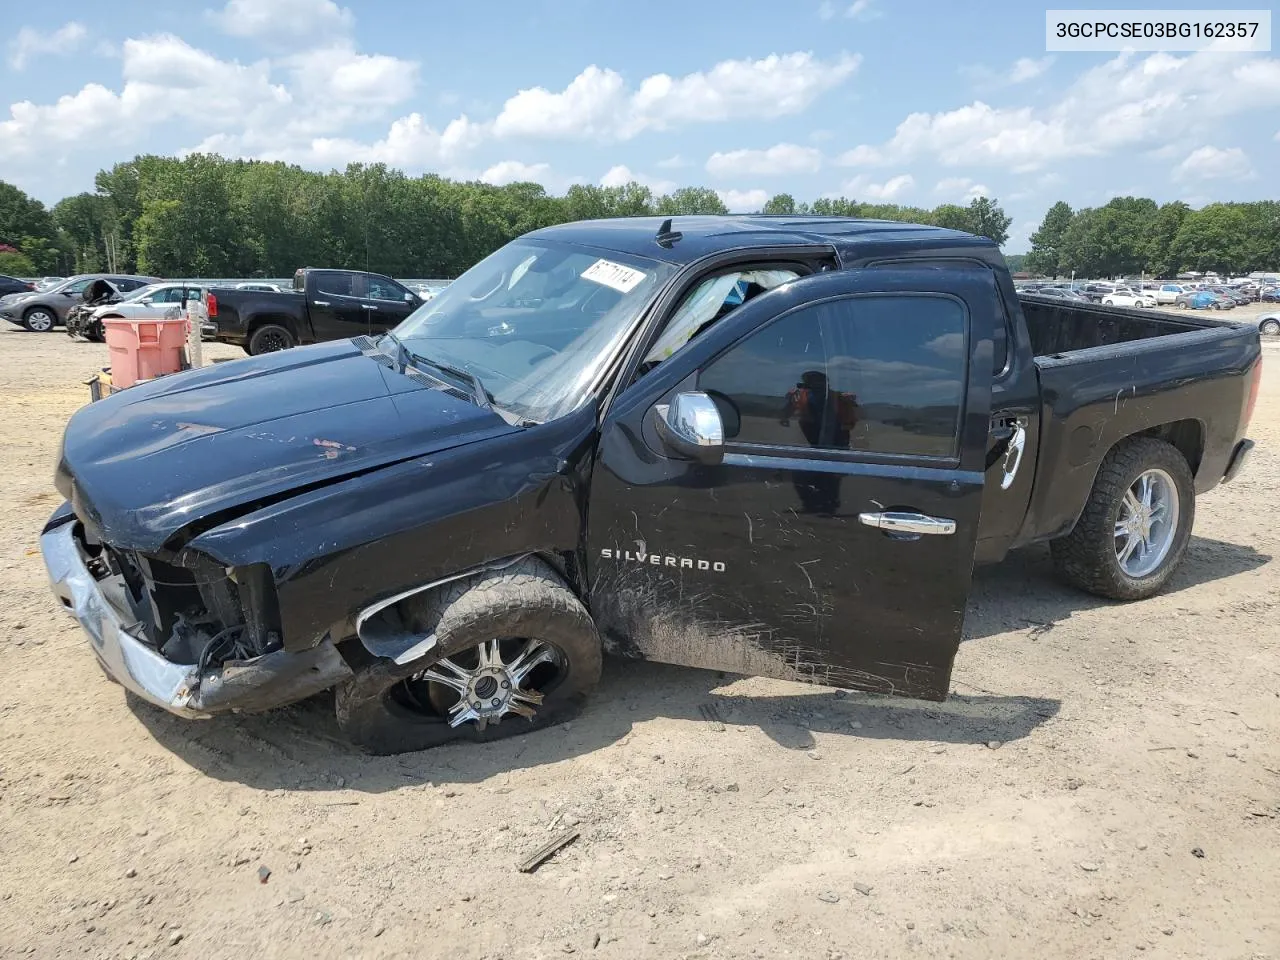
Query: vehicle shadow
1024,592
300,748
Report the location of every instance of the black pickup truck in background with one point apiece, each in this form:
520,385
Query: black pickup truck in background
323,305
764,445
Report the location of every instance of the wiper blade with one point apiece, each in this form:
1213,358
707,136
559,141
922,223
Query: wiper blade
478,392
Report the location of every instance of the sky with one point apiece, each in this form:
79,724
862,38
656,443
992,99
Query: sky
909,102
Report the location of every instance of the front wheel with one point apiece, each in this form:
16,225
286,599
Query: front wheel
1136,523
269,338
39,319
515,650
1180,304
1270,326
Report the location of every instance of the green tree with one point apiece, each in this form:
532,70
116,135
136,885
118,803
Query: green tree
26,225
691,200
1045,256
16,264
1161,231
988,219
781,203
1016,262
1215,237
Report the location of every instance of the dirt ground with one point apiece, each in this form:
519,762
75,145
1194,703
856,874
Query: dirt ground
1105,782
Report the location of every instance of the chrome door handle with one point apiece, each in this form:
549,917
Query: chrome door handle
319,303
894,521
1013,454
368,306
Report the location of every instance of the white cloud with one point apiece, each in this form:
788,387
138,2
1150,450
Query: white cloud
597,104
960,188
283,23
826,10
743,201
1025,68
620,175
1124,102
340,75
514,171
30,45
861,10
164,78
861,187
676,162
782,158
411,143
1214,163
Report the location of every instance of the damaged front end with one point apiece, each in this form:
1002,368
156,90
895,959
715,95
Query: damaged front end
185,633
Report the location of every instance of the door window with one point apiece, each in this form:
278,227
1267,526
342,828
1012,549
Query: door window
380,288
878,374
335,284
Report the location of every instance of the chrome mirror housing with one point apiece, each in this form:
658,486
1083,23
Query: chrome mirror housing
691,426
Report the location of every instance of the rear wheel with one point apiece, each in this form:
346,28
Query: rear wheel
269,338
1136,523
515,650
1270,326
39,319
1180,304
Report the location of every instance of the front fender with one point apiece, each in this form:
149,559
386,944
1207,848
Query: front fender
336,550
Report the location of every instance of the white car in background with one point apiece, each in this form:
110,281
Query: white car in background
1126,297
156,302
259,286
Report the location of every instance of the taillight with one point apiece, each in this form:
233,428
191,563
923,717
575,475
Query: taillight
1253,394
211,303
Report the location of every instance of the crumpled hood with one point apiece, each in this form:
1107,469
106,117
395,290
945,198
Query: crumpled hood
142,464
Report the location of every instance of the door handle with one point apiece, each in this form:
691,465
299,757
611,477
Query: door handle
1013,454
319,303
896,521
368,306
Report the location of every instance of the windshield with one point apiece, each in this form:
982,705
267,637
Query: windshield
143,292
536,322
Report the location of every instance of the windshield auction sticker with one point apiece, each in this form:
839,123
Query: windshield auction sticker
1224,31
615,275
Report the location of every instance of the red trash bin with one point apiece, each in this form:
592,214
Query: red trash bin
142,349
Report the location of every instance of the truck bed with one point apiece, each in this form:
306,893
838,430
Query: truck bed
1058,328
1110,372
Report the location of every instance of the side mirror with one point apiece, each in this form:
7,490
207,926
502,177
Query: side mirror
409,298
690,425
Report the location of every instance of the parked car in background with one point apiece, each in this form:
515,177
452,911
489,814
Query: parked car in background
152,302
44,283
1061,293
1232,294
1203,300
1125,297
42,310
1169,292
1270,325
324,305
260,286
10,285
1095,292
1269,295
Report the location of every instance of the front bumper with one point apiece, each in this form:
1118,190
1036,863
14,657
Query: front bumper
262,683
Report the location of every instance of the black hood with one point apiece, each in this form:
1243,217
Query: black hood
143,464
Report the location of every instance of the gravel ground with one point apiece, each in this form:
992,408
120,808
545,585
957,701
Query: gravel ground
1105,782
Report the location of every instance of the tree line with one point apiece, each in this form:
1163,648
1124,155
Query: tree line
1131,235
204,215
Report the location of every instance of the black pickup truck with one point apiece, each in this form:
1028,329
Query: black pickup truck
769,446
323,305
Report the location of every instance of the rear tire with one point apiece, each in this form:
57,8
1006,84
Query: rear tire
39,319
269,338
386,708
1270,326
1180,304
1086,557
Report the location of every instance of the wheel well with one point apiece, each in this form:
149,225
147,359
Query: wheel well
1186,435
39,306
280,320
